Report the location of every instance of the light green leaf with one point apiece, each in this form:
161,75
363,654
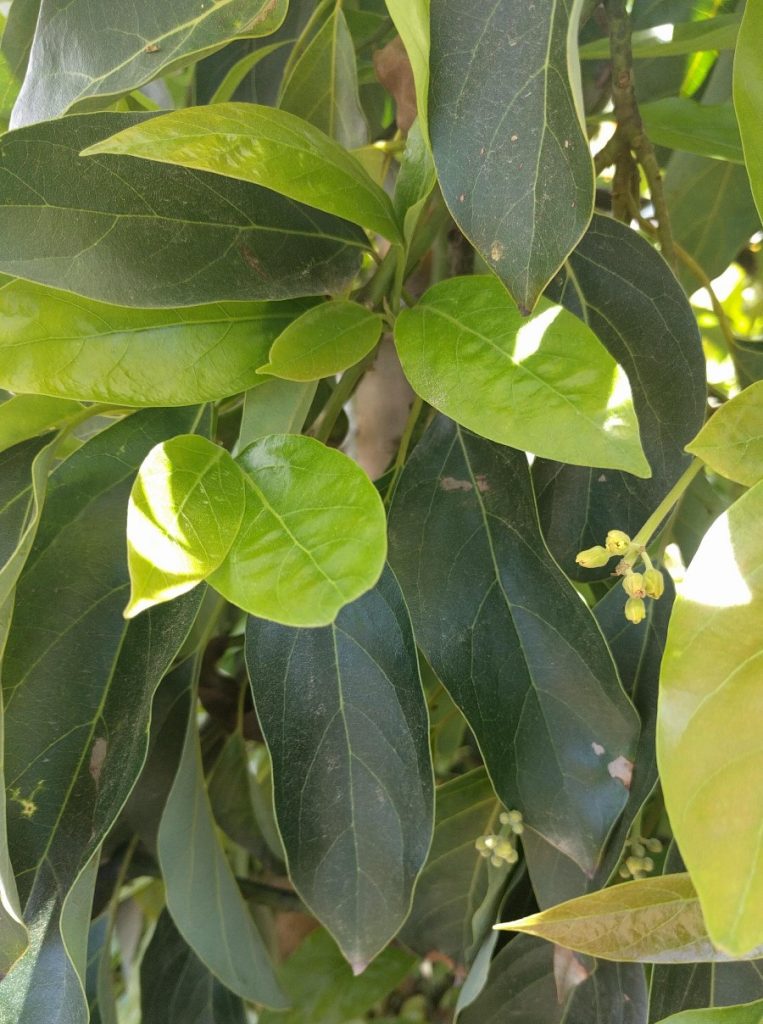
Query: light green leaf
509,146
708,129
323,341
202,895
411,19
748,95
731,442
54,344
313,536
415,180
718,33
545,384
750,1013
344,717
9,85
322,988
274,406
135,44
709,741
25,416
185,509
138,233
322,86
267,147
650,920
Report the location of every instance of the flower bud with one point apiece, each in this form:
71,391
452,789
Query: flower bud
617,542
635,610
594,557
633,585
654,583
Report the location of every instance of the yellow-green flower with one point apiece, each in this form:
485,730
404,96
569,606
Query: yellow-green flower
635,610
633,585
617,542
594,557
654,583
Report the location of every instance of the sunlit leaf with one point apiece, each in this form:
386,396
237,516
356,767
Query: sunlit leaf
731,442
25,416
748,95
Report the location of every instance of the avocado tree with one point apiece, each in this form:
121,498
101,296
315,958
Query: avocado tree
381,511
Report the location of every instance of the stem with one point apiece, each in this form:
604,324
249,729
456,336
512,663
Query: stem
405,443
644,535
270,895
339,397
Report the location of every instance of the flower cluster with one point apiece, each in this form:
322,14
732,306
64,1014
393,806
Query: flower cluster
637,585
637,864
500,847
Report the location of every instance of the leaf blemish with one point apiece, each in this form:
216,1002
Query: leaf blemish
597,748
97,757
449,483
496,251
622,770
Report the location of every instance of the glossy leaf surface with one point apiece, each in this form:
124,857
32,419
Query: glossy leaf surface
135,44
267,147
650,920
201,238
622,288
325,340
202,895
506,633
343,714
56,344
185,510
710,688
313,534
731,442
545,384
24,416
748,95
508,144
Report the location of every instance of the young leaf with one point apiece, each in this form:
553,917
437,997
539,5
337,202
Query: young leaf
412,23
134,46
185,510
709,744
545,384
138,233
343,714
313,536
322,87
510,638
325,340
322,988
202,895
669,40
622,288
748,95
509,146
94,352
650,920
267,147
750,1013
176,987
25,416
731,442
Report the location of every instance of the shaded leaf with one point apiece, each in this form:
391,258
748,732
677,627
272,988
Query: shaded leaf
322,988
56,345
185,509
678,987
25,416
630,299
748,96
731,442
510,638
710,688
135,45
267,147
750,1013
322,85
232,792
18,35
706,129
717,33
545,384
650,920
343,714
313,536
323,341
176,987
510,150
274,406
200,238
202,895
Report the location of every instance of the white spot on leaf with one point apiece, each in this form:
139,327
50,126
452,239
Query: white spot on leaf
622,770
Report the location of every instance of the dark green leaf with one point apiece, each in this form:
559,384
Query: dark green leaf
266,147
343,714
678,987
322,988
510,638
176,987
629,298
55,345
69,770
233,793
322,86
545,383
510,151
134,44
313,536
139,233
